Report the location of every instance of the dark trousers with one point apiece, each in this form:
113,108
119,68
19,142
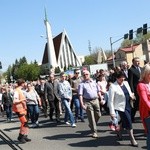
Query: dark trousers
135,107
8,109
54,106
57,110
44,105
147,122
51,108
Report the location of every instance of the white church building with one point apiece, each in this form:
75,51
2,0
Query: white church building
59,51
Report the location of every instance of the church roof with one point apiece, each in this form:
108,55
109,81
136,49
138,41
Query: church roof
129,49
45,56
57,42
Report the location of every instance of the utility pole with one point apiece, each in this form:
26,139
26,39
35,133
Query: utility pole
90,47
0,65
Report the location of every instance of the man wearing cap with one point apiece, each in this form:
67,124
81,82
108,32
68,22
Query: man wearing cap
89,95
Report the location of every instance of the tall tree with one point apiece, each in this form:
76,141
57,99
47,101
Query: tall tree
28,72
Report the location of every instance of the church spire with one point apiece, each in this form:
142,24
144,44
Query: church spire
52,63
45,14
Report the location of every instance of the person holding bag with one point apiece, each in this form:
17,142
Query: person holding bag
143,89
119,100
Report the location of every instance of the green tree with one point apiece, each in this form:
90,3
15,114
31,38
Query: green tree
35,62
57,70
92,59
65,68
43,70
22,61
140,38
126,43
89,60
28,72
21,69
9,73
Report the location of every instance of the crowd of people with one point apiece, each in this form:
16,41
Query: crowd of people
119,92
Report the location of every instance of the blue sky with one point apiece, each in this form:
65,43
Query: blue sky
96,20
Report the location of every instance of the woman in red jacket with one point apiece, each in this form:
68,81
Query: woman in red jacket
143,89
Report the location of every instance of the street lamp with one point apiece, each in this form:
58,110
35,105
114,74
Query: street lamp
111,43
112,52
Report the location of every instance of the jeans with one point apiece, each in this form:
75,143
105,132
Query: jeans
68,112
8,110
78,108
147,122
33,111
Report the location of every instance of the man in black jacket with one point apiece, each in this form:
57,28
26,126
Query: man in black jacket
52,95
133,78
39,87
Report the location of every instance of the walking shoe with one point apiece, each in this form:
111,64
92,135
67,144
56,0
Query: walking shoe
95,135
26,138
112,127
33,125
134,143
45,115
8,121
51,119
37,123
76,120
11,120
68,123
82,120
58,120
21,138
73,125
117,128
119,136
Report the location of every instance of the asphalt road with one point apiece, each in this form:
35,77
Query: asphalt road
53,136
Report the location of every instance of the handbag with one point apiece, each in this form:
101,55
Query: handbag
19,107
132,101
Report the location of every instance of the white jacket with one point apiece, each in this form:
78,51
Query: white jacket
117,100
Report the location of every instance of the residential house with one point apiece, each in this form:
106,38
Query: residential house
127,54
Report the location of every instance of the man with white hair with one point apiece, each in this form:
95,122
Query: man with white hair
89,95
124,68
